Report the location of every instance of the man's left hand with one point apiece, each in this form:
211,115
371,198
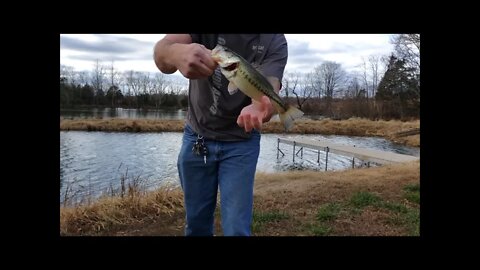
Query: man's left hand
255,114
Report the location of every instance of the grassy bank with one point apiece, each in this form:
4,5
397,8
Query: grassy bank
380,201
350,127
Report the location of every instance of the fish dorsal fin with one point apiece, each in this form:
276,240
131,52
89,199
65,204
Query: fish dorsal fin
232,88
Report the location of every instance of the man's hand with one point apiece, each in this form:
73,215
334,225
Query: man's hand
194,61
177,52
255,114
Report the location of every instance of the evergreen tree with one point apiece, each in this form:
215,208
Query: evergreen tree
399,89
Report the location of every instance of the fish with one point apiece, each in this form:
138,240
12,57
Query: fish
244,77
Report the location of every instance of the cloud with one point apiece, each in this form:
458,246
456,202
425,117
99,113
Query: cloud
106,47
301,55
308,51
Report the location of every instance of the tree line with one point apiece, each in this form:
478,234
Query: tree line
104,86
382,87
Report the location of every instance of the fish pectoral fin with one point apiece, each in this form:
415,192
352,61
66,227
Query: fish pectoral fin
274,81
232,88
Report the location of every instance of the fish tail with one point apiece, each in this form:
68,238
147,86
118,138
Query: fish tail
287,117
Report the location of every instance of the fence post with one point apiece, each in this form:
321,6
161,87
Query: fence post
293,152
326,159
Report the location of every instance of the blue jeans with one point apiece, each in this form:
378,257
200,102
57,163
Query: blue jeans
231,169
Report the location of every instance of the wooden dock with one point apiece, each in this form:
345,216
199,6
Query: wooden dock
367,155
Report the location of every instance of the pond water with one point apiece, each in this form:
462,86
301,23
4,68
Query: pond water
92,163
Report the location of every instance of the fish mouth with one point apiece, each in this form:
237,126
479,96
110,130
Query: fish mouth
231,67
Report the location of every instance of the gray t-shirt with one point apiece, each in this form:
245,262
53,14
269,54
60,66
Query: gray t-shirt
212,111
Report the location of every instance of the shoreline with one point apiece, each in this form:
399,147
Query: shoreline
390,130
381,201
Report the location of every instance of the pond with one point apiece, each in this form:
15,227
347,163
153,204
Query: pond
92,163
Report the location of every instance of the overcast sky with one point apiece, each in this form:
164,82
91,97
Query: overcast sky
134,51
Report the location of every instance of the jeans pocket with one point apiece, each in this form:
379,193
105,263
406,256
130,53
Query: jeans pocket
188,134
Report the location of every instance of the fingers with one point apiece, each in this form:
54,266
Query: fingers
257,123
208,61
240,121
198,62
248,122
245,122
204,70
206,58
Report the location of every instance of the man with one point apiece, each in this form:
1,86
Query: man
221,141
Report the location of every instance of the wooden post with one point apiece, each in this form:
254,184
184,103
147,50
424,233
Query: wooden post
293,152
326,159
318,158
278,146
353,163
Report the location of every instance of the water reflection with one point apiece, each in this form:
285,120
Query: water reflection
167,114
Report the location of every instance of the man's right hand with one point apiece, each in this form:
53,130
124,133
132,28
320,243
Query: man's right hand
177,52
193,60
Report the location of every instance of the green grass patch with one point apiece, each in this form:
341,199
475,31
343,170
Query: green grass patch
410,220
262,218
362,199
328,211
412,193
413,197
319,229
412,188
394,207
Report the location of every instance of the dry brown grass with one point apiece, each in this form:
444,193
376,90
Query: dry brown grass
350,127
295,195
122,125
300,194
111,213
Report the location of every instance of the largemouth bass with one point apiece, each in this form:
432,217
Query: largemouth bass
244,77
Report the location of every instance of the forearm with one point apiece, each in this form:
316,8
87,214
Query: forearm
177,52
165,53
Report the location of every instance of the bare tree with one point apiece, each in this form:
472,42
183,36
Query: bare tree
83,77
407,47
354,88
364,77
146,83
132,80
114,81
113,75
315,82
331,75
160,84
297,84
97,79
374,63
98,76
67,74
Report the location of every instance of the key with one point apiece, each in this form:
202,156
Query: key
199,147
205,152
196,148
